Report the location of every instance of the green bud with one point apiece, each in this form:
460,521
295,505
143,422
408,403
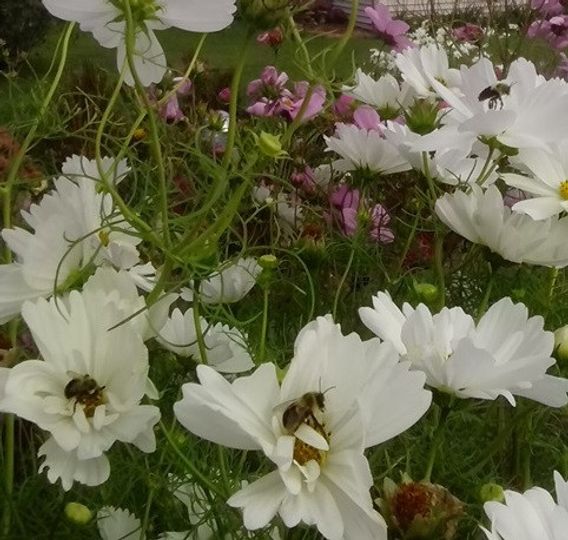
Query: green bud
269,144
268,262
422,116
561,343
263,14
426,292
491,492
78,513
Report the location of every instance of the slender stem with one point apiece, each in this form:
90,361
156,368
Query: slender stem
441,417
8,186
342,282
550,285
302,44
155,146
347,35
264,328
197,322
485,300
195,472
233,104
9,428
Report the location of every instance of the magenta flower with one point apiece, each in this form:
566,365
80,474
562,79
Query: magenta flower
293,104
304,179
554,31
365,117
548,8
391,31
170,111
224,95
470,33
379,231
343,108
267,92
272,38
349,211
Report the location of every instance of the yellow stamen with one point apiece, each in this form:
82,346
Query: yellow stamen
563,189
304,452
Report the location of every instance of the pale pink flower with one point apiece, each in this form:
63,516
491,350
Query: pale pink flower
391,31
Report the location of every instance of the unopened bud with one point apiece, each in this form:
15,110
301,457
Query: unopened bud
269,144
561,342
268,262
491,492
426,292
78,513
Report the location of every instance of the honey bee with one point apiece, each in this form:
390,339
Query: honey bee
304,409
86,391
494,94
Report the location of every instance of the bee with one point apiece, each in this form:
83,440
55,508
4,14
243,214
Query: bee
495,95
86,391
304,409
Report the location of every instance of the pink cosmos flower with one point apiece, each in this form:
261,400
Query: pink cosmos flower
267,92
343,108
548,8
365,117
291,105
346,206
554,31
304,179
470,33
391,31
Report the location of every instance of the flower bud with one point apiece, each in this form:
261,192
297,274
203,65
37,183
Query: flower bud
426,292
491,492
268,262
561,342
420,510
78,513
269,144
263,14
422,116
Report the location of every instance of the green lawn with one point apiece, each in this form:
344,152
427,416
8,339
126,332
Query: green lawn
221,50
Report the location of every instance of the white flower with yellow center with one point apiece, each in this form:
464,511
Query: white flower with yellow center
547,181
507,353
73,225
314,428
105,19
86,390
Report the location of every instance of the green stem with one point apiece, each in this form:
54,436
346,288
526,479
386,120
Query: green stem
488,289
550,285
155,146
347,35
9,428
441,417
233,104
342,282
264,328
6,190
197,322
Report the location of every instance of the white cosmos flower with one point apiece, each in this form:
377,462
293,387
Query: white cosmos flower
73,225
420,66
527,111
226,347
118,524
453,160
483,218
384,93
86,390
507,353
322,477
230,284
105,19
548,181
364,149
532,515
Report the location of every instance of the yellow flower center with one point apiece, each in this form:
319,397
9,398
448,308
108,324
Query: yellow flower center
85,391
563,189
303,452
104,238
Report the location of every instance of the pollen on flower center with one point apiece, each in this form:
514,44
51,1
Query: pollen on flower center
104,238
85,391
563,189
303,452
